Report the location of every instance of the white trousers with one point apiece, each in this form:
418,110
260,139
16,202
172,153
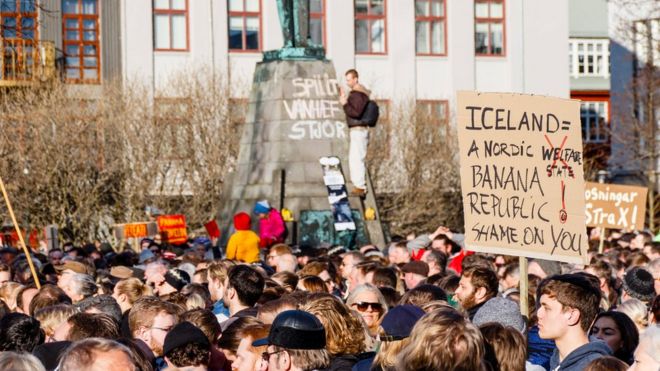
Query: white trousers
357,153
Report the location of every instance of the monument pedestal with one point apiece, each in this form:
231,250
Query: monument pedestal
294,118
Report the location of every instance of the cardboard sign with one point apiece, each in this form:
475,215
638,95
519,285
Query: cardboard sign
173,228
615,206
135,230
521,175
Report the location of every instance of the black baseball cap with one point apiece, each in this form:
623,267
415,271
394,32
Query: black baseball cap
295,329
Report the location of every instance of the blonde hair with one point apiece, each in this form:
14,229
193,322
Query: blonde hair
217,271
637,312
344,333
443,340
8,293
388,352
195,301
53,316
133,288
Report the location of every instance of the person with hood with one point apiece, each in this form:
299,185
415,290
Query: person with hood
569,305
354,105
271,225
243,245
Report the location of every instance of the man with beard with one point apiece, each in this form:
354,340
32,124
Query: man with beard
477,285
150,320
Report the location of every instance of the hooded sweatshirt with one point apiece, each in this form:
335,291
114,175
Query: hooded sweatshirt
578,359
243,245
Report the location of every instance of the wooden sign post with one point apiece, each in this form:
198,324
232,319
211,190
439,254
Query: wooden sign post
28,256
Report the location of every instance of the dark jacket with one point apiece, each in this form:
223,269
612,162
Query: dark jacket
355,105
342,363
578,359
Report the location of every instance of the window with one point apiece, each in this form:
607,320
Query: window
430,27
171,25
370,26
80,20
434,112
317,21
245,25
489,27
594,121
19,19
646,38
589,57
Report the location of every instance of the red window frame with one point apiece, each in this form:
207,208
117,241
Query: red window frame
491,21
81,43
19,15
245,14
321,16
431,18
427,103
172,12
373,17
595,96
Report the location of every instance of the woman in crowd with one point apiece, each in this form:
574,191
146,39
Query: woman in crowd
647,354
52,317
636,311
126,292
312,284
345,337
619,332
370,303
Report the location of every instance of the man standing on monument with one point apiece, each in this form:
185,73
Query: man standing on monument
354,105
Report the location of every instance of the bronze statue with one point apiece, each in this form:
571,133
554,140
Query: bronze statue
294,18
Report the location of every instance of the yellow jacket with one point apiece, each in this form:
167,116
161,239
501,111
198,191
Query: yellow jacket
243,246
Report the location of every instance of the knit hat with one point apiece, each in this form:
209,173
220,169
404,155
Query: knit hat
145,255
549,267
417,267
177,278
262,207
638,283
400,320
503,311
242,222
182,334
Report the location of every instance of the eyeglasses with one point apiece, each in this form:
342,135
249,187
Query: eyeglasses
265,356
363,306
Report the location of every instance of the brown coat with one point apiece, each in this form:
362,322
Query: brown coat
355,105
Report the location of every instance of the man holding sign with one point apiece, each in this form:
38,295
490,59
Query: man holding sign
521,175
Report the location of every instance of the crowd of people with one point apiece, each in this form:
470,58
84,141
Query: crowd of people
421,303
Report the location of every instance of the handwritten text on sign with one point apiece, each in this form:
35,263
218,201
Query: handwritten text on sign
173,228
615,206
521,175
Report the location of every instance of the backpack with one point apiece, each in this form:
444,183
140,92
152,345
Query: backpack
370,114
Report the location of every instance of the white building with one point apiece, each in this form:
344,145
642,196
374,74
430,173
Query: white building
404,49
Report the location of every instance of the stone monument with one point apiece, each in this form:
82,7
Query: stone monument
293,119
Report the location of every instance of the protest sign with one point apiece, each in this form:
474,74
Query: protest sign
521,175
212,229
173,228
135,230
615,206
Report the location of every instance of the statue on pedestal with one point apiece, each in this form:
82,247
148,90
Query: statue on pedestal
294,19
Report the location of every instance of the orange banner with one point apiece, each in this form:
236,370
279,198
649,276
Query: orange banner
173,228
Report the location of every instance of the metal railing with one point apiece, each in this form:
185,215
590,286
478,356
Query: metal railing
26,62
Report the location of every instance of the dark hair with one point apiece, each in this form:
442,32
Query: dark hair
206,321
481,276
574,291
655,309
384,277
190,354
476,260
391,296
248,283
47,296
20,333
352,72
92,325
141,361
103,304
230,339
19,295
449,283
629,334
313,284
440,259
423,294
289,279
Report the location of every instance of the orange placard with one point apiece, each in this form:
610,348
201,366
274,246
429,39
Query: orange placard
173,228
135,230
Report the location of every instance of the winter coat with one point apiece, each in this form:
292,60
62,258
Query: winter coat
243,245
355,105
271,229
